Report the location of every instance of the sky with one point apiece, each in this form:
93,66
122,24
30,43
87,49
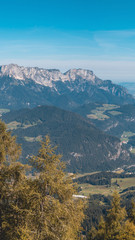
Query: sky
93,34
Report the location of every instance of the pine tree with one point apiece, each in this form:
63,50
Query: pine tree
100,233
115,219
132,213
115,226
12,178
54,213
40,207
128,232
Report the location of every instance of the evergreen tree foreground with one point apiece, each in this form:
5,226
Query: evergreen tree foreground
41,207
117,225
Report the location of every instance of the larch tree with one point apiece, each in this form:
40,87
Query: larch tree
132,212
12,187
55,214
115,226
100,234
41,207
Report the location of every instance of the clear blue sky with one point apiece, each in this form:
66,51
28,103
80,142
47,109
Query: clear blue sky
94,34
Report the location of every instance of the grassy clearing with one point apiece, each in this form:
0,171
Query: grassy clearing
13,125
28,125
133,150
124,182
126,135
33,139
97,115
99,112
88,189
114,113
118,184
77,175
108,107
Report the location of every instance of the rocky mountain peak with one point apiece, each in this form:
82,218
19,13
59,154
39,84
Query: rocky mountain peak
11,70
32,86
46,77
73,74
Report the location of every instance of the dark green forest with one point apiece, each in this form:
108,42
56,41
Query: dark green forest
84,147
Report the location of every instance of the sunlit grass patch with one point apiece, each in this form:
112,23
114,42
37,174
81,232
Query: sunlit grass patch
114,113
126,135
33,139
118,184
99,112
133,150
13,125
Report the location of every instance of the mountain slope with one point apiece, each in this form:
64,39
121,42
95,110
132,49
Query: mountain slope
116,120
29,87
84,147
130,86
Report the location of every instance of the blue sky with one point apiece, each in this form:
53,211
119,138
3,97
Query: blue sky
93,34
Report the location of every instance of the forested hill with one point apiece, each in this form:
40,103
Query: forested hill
113,119
84,147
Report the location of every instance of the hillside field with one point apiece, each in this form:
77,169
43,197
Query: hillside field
118,184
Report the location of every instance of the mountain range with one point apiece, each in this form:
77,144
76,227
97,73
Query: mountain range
79,105
22,87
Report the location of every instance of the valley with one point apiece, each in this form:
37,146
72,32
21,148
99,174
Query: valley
90,121
84,147
121,185
117,120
